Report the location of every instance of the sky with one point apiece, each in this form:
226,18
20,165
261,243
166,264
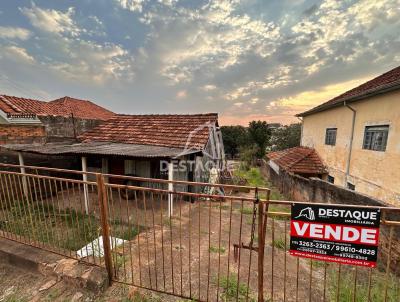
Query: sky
247,60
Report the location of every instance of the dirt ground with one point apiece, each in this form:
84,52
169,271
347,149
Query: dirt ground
19,285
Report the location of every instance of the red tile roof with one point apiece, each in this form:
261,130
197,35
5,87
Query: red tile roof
383,83
61,107
299,160
157,130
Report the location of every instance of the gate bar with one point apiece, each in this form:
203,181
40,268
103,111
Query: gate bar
105,229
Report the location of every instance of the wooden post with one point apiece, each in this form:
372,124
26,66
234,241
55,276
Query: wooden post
105,228
170,188
23,172
262,227
104,168
85,186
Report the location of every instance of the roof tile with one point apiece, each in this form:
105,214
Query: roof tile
299,160
179,131
380,83
61,107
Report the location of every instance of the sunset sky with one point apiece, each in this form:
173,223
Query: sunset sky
246,60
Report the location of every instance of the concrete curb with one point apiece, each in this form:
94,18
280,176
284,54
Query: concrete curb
71,271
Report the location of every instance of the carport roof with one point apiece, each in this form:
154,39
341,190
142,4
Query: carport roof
98,148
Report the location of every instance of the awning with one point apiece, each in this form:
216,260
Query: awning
99,148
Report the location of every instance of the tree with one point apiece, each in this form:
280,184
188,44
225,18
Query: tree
286,137
234,137
259,134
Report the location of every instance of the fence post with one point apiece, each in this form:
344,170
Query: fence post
262,227
105,228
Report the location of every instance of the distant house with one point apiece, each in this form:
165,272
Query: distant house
28,121
298,160
357,135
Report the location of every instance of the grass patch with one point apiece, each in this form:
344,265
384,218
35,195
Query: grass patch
14,298
253,176
119,260
215,249
279,243
247,211
230,287
377,286
67,229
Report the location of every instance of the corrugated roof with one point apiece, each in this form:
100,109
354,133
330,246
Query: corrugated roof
386,82
97,148
169,130
61,107
299,160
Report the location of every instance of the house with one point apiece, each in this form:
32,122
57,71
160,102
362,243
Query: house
32,121
357,136
303,161
179,147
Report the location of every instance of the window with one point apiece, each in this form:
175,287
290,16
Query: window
375,137
330,137
331,179
350,186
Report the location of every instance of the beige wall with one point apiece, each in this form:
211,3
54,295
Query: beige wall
374,173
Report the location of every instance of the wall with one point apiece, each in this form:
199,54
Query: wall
52,128
58,126
21,134
374,173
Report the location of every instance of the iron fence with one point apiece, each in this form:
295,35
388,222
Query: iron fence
187,241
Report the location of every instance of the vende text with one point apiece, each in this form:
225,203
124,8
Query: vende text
335,232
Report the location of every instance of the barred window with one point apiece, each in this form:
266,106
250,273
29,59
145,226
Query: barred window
330,136
351,186
375,137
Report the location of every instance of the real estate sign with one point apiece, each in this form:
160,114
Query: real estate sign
334,233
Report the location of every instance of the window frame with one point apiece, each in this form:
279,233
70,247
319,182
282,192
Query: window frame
329,139
351,186
376,137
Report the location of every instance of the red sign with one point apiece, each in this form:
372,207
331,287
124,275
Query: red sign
337,234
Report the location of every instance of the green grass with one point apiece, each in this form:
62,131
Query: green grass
66,229
14,298
253,176
230,287
247,211
279,243
215,249
377,286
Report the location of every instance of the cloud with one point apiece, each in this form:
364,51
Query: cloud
215,36
132,5
8,32
52,21
68,49
181,94
18,54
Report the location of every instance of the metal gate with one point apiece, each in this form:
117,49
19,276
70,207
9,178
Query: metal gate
210,248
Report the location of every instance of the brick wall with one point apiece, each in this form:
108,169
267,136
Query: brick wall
21,134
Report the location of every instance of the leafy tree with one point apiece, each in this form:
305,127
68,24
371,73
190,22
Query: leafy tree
286,137
259,134
234,137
